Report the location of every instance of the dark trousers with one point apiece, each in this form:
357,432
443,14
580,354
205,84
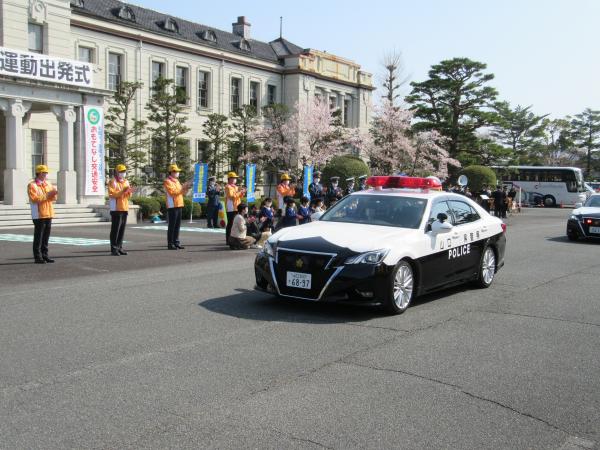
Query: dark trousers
41,236
212,216
174,218
117,229
230,216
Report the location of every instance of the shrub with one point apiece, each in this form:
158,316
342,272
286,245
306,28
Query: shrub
479,176
345,166
148,205
187,206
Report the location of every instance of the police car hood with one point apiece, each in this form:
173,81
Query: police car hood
587,211
336,237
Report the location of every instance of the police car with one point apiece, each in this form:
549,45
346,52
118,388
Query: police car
386,245
584,222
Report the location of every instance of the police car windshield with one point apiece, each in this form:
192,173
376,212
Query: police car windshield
384,210
594,201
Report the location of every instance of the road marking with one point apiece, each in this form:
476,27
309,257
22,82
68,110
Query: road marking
82,242
192,229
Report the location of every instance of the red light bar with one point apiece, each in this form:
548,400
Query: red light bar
391,182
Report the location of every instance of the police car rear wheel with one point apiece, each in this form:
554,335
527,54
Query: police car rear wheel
402,288
487,269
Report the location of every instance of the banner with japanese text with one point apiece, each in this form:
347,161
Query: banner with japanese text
93,119
200,182
36,66
250,182
307,179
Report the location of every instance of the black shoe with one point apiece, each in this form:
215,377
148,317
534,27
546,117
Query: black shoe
115,253
180,247
122,252
40,261
172,247
48,260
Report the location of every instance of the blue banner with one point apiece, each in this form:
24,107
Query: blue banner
308,179
200,182
250,182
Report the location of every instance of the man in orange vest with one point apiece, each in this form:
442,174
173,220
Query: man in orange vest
175,192
233,197
41,196
284,189
119,192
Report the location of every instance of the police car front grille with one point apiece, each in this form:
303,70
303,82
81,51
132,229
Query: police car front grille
317,264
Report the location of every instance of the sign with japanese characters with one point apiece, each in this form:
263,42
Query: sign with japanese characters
40,67
94,150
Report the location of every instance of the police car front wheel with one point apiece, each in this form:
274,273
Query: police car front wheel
487,268
402,288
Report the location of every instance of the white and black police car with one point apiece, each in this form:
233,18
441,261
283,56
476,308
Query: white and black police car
386,245
584,221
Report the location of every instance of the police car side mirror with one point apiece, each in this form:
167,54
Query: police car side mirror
441,227
578,205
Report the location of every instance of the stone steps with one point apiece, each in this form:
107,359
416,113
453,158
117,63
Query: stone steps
14,217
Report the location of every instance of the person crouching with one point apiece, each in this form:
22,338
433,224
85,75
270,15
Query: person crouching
238,239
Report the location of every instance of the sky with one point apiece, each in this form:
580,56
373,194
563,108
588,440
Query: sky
543,53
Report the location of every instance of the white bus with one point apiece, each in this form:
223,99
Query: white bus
550,186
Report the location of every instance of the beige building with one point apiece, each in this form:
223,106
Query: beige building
82,49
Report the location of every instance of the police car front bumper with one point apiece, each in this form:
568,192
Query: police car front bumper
361,282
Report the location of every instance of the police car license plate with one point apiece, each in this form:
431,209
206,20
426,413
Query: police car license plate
595,230
299,280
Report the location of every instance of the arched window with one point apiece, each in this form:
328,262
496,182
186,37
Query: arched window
171,25
208,35
243,44
77,3
126,13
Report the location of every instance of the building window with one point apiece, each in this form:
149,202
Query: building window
38,144
332,102
202,154
114,71
36,38
158,71
126,13
208,35
255,95
346,112
272,94
170,25
181,85
86,54
235,94
203,83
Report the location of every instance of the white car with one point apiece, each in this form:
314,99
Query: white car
584,221
386,245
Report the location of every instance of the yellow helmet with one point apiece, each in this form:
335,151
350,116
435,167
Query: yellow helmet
120,168
42,168
232,175
174,168
285,176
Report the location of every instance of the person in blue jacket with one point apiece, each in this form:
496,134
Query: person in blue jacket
289,217
213,201
265,215
304,212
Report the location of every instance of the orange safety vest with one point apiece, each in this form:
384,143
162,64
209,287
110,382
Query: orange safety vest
233,197
174,192
118,195
284,191
41,206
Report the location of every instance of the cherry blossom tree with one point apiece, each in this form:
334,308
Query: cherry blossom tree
430,157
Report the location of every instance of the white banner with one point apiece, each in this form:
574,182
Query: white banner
17,63
94,150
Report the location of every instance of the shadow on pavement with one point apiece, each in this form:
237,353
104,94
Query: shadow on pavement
566,240
254,305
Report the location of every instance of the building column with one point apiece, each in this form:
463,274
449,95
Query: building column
67,177
15,177
342,106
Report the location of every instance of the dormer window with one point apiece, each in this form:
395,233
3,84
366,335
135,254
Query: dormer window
126,13
77,3
208,35
243,44
171,25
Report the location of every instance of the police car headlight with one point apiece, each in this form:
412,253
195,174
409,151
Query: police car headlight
269,249
574,217
374,257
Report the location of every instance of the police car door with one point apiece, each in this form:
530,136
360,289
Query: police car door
436,267
467,240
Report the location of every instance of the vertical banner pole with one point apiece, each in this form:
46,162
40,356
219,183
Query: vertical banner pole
250,182
199,186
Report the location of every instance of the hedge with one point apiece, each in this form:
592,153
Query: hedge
479,176
148,205
345,166
157,203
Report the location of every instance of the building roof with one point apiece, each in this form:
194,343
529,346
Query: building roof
153,21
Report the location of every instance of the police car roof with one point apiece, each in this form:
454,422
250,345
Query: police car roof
423,193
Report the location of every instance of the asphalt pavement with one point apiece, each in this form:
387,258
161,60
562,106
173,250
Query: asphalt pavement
173,349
